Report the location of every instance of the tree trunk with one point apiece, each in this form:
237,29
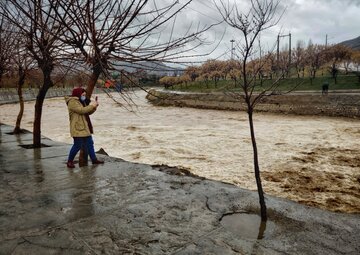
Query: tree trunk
314,74
21,82
83,156
93,79
1,75
38,108
256,166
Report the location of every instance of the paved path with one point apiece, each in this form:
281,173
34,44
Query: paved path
126,208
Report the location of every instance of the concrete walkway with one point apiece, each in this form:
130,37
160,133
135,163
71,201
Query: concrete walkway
126,208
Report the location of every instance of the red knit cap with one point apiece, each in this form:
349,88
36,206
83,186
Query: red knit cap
77,92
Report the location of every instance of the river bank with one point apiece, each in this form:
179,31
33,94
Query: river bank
336,103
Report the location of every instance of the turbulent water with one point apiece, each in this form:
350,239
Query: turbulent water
313,160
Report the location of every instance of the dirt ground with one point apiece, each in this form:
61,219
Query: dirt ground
314,160
335,191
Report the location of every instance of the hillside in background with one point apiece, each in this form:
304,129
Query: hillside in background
353,43
150,67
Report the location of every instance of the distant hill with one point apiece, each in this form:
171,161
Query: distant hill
149,67
353,43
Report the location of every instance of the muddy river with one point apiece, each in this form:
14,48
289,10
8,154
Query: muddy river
310,159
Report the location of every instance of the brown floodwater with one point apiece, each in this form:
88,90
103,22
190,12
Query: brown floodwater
314,160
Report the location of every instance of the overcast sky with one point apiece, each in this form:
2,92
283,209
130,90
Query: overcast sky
304,19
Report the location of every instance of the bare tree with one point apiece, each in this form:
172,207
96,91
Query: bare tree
336,54
270,65
260,16
234,72
7,47
213,68
315,58
22,62
235,75
33,18
298,56
193,72
110,35
283,61
356,61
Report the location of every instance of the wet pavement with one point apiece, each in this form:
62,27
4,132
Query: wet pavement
127,208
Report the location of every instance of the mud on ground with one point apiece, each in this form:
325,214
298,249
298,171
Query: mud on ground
335,191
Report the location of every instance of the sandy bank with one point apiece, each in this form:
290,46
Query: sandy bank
334,104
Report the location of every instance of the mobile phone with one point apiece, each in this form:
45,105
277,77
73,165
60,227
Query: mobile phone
96,98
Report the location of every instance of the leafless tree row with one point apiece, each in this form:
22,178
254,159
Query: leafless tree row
92,36
305,60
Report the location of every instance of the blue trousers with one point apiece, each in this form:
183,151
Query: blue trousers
87,143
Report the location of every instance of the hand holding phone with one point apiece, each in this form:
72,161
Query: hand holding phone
94,103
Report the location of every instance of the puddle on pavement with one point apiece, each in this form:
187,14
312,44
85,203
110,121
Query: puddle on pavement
248,225
31,146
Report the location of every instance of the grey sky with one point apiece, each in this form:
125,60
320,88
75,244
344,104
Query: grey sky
304,19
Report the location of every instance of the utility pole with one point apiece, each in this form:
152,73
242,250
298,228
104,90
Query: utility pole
277,50
232,48
326,40
278,46
289,50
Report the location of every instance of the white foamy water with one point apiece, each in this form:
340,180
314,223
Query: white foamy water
214,144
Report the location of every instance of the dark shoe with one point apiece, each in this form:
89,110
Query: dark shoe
95,162
70,164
